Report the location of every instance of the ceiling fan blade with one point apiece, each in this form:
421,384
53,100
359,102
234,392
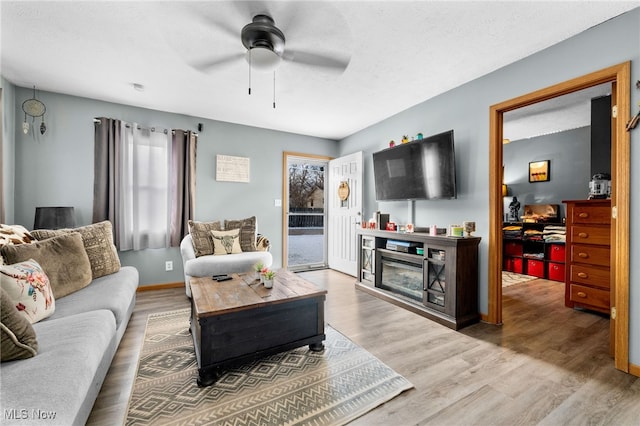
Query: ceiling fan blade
208,65
317,60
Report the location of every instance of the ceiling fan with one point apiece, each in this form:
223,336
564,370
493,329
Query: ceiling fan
265,50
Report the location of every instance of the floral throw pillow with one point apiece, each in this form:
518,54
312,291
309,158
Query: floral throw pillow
28,287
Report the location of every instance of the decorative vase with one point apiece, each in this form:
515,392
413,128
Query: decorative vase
268,283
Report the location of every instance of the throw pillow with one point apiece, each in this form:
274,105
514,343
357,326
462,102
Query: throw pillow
17,336
226,242
62,258
247,232
13,234
98,243
201,236
29,288
262,243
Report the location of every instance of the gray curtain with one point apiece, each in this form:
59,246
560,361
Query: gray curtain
107,135
183,167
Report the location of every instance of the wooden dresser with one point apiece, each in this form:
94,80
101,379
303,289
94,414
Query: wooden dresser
587,276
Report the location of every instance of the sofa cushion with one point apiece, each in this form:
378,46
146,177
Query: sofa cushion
113,292
98,243
62,258
226,242
29,289
247,229
18,338
201,236
73,358
206,266
13,234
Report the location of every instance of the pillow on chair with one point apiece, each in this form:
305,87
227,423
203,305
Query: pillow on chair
226,242
201,236
247,229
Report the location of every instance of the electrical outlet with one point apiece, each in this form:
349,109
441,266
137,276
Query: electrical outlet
168,265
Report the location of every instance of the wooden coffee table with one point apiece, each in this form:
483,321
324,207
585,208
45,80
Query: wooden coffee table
239,320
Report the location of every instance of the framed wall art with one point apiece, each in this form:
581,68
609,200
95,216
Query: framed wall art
539,171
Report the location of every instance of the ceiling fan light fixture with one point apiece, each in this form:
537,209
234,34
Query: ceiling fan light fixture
263,59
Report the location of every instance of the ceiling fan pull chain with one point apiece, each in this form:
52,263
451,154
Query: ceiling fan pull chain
249,71
274,89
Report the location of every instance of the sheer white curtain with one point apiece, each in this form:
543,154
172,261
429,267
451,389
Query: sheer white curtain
144,207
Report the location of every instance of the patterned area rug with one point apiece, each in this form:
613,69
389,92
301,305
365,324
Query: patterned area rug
299,387
511,278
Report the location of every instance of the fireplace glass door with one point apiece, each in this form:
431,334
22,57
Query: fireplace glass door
402,277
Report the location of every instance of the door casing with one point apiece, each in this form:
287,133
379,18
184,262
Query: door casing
620,78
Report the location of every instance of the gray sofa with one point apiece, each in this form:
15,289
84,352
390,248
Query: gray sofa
75,348
211,264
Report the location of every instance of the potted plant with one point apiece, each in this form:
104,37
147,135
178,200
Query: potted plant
263,271
257,268
269,275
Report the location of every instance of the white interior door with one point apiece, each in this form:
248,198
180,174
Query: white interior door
345,212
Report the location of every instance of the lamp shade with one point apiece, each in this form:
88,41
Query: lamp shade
54,218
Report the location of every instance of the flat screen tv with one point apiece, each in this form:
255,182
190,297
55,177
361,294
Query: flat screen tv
419,170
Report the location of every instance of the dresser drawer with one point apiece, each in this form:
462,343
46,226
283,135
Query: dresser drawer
598,277
591,214
590,235
590,254
589,296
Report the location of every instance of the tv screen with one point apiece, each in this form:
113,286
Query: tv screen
419,170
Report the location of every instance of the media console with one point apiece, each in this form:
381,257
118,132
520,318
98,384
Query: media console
437,278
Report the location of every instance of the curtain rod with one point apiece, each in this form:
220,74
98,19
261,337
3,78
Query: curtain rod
153,129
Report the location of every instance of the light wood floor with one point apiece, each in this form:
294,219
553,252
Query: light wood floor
546,365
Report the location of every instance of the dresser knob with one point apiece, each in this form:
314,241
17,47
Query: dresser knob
583,215
583,255
583,275
583,235
582,294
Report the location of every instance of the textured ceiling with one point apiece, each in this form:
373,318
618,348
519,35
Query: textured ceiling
399,53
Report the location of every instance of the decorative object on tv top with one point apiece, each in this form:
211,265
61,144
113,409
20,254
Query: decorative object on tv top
54,218
34,108
539,171
469,227
405,139
392,144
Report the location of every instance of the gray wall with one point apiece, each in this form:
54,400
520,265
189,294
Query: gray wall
569,155
57,169
466,110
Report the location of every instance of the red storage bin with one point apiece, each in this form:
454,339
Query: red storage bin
513,248
517,265
507,264
556,252
535,268
555,271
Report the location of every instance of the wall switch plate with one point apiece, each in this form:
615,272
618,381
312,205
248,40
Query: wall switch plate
277,203
168,265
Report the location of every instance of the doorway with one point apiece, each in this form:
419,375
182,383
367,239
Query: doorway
619,77
304,214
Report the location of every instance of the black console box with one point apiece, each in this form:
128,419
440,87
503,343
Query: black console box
402,246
